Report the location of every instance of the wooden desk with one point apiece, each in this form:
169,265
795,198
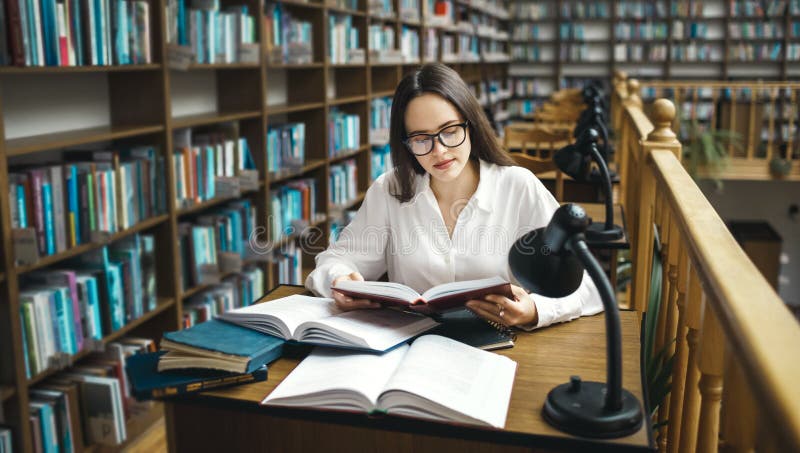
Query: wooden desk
232,419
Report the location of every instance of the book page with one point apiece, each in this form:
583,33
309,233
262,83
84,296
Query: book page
389,289
459,287
336,379
449,380
285,313
371,329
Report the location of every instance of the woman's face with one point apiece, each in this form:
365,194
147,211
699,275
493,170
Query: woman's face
431,114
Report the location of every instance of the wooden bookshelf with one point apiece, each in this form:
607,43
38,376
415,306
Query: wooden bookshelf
141,111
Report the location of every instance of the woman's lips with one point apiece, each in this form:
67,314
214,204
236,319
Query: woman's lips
444,165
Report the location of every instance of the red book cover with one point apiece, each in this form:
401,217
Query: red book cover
62,45
36,177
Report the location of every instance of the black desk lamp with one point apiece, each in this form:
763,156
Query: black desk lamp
550,261
575,160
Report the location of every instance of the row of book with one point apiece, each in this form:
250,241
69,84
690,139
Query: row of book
286,146
88,404
288,261
216,243
381,37
531,10
696,52
343,40
523,31
381,8
530,53
430,51
343,4
343,183
379,120
93,195
65,311
529,86
640,9
344,130
215,36
794,29
753,8
234,291
755,52
793,52
571,31
748,30
689,8
202,160
292,207
289,39
691,30
409,10
585,10
409,44
580,53
641,30
521,108
6,440
380,160
640,52
75,32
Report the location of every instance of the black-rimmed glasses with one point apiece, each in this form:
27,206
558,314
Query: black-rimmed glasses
451,136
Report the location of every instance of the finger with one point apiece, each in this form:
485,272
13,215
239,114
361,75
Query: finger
488,315
496,299
488,307
356,276
362,303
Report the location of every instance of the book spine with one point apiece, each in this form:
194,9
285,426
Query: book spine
49,224
254,376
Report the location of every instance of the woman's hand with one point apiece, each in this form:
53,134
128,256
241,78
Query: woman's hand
348,303
505,311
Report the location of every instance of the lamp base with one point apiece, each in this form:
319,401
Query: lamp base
597,232
578,408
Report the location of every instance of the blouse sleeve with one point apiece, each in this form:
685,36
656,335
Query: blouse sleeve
585,300
361,246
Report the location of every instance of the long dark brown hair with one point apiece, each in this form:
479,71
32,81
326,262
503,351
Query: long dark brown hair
439,79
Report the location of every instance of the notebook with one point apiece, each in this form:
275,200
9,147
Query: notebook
218,345
466,327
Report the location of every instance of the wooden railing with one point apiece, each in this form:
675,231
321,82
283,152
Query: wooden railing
764,115
735,373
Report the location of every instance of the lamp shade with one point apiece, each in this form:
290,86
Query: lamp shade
575,159
540,259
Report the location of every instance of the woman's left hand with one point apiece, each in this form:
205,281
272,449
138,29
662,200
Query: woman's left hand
509,312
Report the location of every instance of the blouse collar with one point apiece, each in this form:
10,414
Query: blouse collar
484,194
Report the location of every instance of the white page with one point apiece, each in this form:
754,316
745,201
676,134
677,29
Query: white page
458,287
467,380
375,329
389,289
292,310
326,370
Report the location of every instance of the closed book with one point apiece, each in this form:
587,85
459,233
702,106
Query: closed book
148,383
219,345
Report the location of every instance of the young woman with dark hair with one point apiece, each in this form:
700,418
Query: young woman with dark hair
450,209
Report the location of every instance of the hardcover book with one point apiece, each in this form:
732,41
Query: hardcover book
317,320
439,298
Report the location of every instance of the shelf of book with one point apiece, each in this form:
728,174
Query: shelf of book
163,304
73,252
78,69
44,142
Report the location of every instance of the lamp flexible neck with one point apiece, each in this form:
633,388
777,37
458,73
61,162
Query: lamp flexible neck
613,336
601,163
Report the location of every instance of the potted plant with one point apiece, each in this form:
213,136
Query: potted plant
707,149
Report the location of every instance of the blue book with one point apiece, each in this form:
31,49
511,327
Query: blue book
49,222
147,382
72,205
66,320
48,428
21,207
222,346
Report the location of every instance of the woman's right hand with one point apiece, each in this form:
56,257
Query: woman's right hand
347,303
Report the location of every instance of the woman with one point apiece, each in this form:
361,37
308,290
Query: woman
449,211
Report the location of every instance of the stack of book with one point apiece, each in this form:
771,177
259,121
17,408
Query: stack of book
343,183
214,36
343,40
70,204
344,131
381,161
289,40
235,291
75,33
89,403
202,161
286,146
215,243
292,207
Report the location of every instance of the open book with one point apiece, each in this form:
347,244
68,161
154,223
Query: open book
435,378
439,298
317,320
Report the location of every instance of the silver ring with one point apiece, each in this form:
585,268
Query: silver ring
501,312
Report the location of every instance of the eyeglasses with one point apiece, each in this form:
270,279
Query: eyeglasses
450,136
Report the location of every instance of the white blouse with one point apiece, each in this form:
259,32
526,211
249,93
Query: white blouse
410,240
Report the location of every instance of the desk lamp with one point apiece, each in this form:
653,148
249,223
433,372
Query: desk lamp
575,160
550,261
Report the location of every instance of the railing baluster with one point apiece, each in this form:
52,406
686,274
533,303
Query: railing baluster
751,124
732,119
681,355
710,361
738,415
773,107
691,400
790,126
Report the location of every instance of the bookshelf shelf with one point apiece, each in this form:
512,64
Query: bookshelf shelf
189,292
352,12
163,304
199,207
7,392
348,154
345,206
346,100
301,4
209,66
83,248
278,109
381,94
206,119
44,142
311,165
77,69
318,221
294,65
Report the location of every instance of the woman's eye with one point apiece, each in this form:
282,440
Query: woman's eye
421,139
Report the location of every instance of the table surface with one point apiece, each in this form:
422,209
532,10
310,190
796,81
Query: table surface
545,358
